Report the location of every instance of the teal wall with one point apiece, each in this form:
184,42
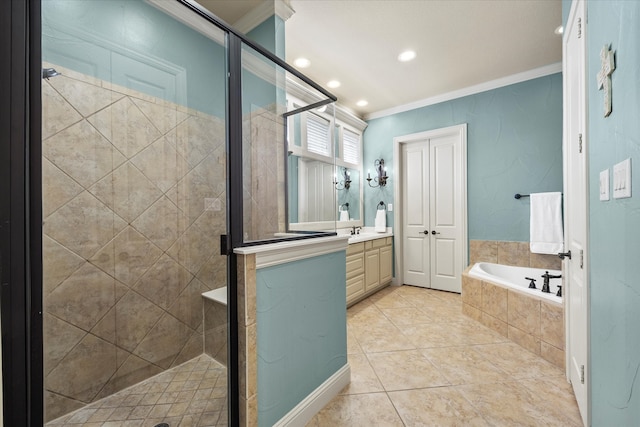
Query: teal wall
514,145
302,336
614,226
93,37
271,35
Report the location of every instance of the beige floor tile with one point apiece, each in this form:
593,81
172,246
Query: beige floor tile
374,409
511,404
442,406
382,338
517,362
402,370
557,396
392,300
363,377
353,347
463,365
406,316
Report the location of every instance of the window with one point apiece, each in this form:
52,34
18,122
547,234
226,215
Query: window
318,135
350,146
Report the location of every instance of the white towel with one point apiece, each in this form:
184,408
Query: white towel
381,221
344,215
546,223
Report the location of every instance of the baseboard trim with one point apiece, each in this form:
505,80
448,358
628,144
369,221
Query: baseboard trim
318,399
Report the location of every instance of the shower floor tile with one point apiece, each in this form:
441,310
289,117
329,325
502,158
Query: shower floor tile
191,394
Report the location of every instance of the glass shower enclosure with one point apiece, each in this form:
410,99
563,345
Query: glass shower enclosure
164,146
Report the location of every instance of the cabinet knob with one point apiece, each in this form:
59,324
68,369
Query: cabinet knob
425,232
434,232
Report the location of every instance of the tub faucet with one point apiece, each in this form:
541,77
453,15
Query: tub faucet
546,276
355,230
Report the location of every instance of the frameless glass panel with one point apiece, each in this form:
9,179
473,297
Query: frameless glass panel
134,196
276,171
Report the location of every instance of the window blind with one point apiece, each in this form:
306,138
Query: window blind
350,146
318,136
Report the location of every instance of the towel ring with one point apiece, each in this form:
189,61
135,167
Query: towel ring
346,205
384,207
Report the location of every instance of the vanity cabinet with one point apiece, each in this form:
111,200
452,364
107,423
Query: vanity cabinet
369,267
355,271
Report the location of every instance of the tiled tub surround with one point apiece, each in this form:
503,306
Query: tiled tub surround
534,324
128,245
510,253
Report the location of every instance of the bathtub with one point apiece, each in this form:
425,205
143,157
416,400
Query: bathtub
514,278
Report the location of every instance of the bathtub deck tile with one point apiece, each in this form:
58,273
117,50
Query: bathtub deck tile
552,324
472,291
494,300
552,354
496,324
472,312
524,339
524,313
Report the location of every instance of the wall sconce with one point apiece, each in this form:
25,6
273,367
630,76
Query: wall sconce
345,184
381,179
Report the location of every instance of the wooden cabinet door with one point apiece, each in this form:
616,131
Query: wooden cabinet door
371,269
386,264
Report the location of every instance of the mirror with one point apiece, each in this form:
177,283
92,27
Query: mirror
318,198
320,195
348,195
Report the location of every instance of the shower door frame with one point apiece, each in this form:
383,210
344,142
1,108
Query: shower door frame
21,212
21,203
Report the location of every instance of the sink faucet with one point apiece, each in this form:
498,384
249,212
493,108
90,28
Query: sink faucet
546,276
355,230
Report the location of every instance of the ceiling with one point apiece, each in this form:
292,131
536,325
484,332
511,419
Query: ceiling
459,44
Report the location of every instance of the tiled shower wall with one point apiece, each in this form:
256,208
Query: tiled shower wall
264,179
128,244
510,253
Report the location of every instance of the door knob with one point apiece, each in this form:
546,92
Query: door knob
434,232
564,254
425,232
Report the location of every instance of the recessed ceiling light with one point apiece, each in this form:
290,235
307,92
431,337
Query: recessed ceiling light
333,84
362,103
559,30
302,62
407,55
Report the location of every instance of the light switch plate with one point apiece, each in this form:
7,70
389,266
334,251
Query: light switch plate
390,207
622,179
604,185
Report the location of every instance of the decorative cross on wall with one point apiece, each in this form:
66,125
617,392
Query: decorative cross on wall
607,59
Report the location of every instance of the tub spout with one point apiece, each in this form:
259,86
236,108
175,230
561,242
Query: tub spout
546,276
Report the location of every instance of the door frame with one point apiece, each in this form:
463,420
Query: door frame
398,232
578,7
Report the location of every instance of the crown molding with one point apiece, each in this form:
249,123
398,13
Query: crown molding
261,13
471,90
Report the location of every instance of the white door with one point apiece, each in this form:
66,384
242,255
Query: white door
575,199
415,213
445,204
433,213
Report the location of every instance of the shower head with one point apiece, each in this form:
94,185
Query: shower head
49,72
